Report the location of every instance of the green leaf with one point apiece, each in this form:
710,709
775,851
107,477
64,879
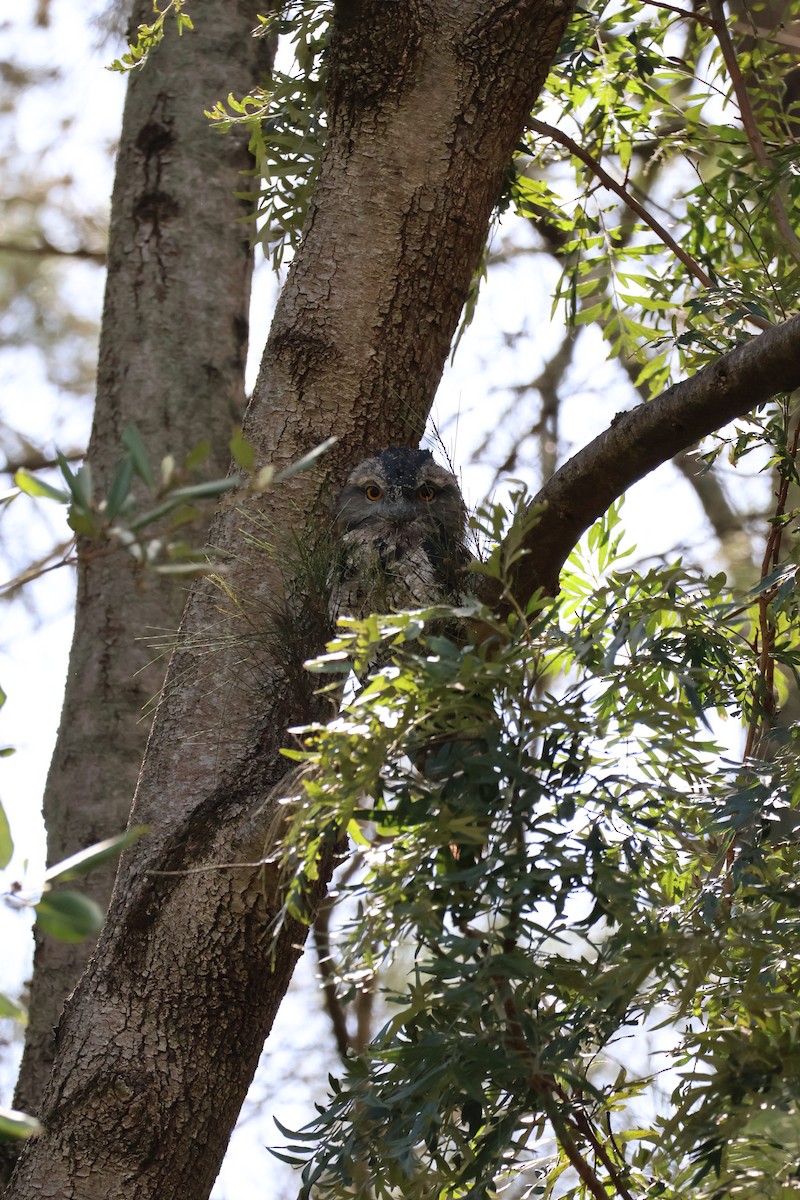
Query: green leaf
69,916
15,1124
197,456
120,487
83,522
28,483
132,441
196,491
79,483
86,860
243,451
11,1010
6,841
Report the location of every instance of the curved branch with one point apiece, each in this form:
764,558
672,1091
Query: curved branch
638,441
608,181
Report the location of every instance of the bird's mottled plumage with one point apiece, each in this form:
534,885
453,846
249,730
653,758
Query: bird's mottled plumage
402,526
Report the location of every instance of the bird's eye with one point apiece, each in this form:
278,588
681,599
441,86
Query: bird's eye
372,491
426,493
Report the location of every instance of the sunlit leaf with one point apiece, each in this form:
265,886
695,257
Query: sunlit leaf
33,486
86,860
15,1124
6,841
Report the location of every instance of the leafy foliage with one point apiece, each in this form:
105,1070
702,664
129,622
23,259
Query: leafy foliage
544,812
64,914
144,510
149,36
549,824
15,1124
286,123
646,96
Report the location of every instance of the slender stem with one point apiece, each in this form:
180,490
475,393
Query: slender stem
766,634
608,181
61,553
549,1093
34,460
327,975
682,12
570,1147
776,202
46,249
582,1123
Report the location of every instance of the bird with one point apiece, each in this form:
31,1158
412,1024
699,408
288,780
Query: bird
401,526
401,522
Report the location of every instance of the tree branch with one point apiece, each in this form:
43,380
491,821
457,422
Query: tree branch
640,440
333,1005
776,201
610,182
682,12
46,249
33,459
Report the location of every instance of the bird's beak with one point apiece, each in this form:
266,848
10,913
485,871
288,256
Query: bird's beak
398,509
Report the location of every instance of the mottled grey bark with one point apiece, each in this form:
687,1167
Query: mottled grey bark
158,1043
172,357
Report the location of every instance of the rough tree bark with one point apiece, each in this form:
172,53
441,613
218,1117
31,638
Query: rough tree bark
159,1042
640,440
172,358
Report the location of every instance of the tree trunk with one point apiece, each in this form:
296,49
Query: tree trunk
172,358
159,1042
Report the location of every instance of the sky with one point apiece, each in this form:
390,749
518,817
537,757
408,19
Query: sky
509,341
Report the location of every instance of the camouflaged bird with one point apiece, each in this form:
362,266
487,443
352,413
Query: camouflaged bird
402,524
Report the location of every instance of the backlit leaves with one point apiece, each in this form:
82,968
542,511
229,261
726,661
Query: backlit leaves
559,863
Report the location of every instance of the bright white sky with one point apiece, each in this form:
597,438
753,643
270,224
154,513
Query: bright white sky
660,513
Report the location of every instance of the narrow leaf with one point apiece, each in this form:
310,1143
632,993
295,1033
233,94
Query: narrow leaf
120,487
28,483
132,441
69,916
15,1124
243,452
307,460
11,1010
6,841
86,860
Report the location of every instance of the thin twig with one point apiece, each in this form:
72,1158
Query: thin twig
47,250
333,1004
35,460
570,1148
776,203
765,707
564,1124
365,1001
682,12
41,567
584,1125
608,181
